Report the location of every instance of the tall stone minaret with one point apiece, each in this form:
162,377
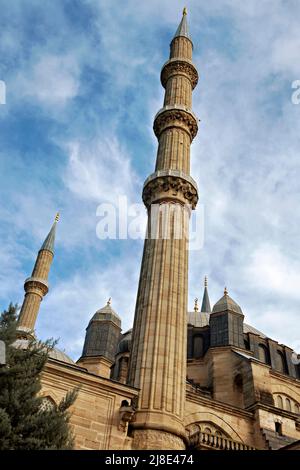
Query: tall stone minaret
36,286
158,357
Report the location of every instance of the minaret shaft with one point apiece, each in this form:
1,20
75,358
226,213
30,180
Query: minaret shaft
36,286
158,355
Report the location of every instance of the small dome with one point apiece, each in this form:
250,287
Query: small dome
59,355
227,303
125,343
106,314
198,319
54,353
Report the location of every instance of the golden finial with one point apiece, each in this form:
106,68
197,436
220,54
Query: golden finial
109,301
196,305
57,217
205,281
184,11
225,291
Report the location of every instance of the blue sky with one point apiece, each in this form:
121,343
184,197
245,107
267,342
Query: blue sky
83,86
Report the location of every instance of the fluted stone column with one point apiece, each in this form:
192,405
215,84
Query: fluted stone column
158,355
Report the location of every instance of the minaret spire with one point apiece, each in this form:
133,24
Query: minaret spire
205,307
159,338
50,239
183,29
36,286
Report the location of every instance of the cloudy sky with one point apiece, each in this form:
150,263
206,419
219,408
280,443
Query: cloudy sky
82,81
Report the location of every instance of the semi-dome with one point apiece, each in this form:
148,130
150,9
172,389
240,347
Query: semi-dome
125,343
107,314
226,303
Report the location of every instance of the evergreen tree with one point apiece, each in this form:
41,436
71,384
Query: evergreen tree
24,422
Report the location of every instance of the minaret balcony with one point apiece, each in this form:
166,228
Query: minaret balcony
177,66
176,116
170,185
36,285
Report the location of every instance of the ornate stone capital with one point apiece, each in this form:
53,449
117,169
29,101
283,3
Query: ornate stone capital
170,185
36,285
179,67
156,440
176,116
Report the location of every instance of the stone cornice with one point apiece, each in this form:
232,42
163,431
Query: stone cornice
177,66
217,405
170,185
284,377
74,373
273,409
176,116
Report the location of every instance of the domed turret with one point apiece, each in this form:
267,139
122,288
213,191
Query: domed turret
106,314
226,323
226,303
101,339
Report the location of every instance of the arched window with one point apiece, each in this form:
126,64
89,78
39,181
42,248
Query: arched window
263,354
207,430
198,346
282,364
288,404
296,408
278,428
279,402
238,382
47,404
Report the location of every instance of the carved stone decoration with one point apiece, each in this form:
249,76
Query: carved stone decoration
179,67
175,117
170,187
156,440
126,415
36,285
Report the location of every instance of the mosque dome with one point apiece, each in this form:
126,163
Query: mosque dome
54,353
226,303
106,314
125,343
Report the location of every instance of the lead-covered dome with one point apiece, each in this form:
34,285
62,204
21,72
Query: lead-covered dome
226,303
125,343
54,353
106,314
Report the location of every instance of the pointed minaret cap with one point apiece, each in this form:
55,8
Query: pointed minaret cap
50,239
205,307
183,29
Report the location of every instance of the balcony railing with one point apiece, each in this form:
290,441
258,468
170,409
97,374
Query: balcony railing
214,442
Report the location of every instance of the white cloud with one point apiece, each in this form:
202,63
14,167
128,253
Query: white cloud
100,171
271,270
53,80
